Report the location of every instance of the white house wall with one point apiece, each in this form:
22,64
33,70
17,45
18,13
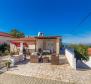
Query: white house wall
13,48
39,44
4,39
50,44
31,46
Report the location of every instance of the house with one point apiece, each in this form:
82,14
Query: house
33,44
48,43
5,37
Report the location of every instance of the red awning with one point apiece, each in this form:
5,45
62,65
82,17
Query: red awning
18,43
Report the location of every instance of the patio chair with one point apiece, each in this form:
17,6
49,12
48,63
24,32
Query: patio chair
54,59
34,59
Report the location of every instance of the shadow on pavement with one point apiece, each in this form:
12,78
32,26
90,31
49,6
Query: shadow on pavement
80,65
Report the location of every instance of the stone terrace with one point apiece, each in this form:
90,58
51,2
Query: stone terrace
52,72
19,79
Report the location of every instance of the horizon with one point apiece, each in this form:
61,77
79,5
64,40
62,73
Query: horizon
69,19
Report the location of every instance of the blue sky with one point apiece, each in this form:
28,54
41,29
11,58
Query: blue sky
53,17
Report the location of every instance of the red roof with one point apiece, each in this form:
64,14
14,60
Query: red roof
5,34
47,37
26,39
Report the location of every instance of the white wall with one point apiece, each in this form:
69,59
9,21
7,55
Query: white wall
47,44
13,47
50,44
69,53
2,38
39,44
31,46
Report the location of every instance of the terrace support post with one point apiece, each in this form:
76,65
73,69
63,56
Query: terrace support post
58,46
35,45
21,48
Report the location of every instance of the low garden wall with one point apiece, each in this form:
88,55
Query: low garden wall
69,53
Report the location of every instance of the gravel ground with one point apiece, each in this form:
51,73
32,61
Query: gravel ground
53,72
19,79
44,73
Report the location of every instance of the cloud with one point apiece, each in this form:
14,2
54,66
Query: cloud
82,38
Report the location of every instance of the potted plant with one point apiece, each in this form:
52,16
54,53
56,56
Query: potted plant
8,63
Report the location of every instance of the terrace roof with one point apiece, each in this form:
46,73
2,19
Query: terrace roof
47,37
26,39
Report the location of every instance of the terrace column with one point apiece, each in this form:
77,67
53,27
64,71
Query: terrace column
58,46
21,48
35,45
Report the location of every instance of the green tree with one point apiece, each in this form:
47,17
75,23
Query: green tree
16,33
81,51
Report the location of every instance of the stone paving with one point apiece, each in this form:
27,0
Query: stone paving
52,72
19,79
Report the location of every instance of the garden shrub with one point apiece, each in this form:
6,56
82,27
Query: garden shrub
4,49
81,52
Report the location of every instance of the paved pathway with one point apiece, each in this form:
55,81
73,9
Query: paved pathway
53,72
18,79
